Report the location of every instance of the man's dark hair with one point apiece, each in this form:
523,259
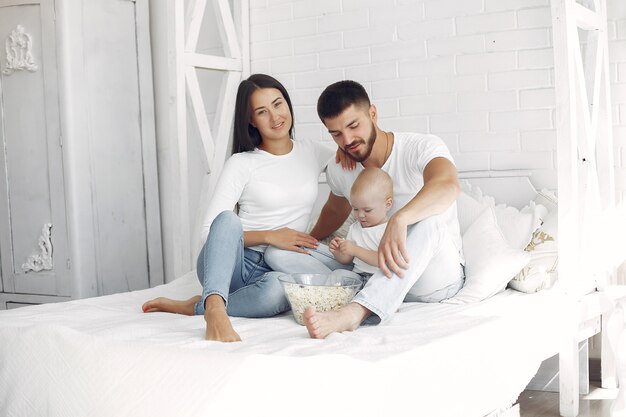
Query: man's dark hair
245,136
339,96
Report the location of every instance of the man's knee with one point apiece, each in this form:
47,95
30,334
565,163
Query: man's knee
433,228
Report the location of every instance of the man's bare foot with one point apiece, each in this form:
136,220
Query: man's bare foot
347,318
168,305
218,325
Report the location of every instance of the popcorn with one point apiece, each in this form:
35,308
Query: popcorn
322,298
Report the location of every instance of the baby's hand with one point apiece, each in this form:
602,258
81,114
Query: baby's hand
334,244
346,247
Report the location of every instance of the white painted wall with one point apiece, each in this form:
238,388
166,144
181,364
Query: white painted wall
478,73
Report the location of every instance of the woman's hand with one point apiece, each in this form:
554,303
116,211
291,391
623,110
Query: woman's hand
392,254
342,157
293,240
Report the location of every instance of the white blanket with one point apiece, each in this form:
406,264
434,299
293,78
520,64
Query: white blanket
104,357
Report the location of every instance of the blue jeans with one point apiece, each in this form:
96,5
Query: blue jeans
435,273
318,261
239,275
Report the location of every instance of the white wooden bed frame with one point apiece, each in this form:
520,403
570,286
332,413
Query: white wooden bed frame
586,185
599,312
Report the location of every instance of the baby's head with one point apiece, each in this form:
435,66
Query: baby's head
372,196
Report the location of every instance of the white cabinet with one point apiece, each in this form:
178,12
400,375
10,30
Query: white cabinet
79,212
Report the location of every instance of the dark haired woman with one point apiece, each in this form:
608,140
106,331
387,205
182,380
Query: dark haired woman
273,179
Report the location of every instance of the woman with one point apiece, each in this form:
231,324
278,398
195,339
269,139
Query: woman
273,181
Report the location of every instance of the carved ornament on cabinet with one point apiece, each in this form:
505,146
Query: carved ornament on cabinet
42,260
18,48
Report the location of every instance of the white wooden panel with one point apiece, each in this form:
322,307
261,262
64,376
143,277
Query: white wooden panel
585,150
193,15
227,28
213,62
31,166
193,88
148,142
182,261
28,299
215,138
116,146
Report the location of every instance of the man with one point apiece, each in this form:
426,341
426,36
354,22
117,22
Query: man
419,256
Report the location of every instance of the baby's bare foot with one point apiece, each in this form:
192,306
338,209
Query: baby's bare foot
321,324
168,305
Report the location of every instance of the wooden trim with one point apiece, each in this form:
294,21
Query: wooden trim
194,15
585,18
215,139
227,29
193,89
178,135
213,62
148,145
242,23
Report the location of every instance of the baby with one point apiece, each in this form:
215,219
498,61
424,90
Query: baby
371,197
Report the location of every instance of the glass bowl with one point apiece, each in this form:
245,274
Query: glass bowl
321,291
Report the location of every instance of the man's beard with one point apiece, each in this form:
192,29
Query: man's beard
369,147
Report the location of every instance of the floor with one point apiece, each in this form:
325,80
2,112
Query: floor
546,404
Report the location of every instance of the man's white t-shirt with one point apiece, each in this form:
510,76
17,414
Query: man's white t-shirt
368,238
273,191
406,163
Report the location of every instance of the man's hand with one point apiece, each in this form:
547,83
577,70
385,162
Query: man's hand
290,239
392,254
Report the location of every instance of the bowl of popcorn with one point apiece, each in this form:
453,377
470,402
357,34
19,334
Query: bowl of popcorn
323,292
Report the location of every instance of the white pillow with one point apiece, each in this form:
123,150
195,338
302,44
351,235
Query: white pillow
541,271
517,225
470,204
490,261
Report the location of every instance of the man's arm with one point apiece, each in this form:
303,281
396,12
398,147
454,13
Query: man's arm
333,214
440,190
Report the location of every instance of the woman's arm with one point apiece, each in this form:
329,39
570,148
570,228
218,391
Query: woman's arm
284,238
228,190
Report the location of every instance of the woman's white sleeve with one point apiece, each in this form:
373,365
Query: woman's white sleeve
228,190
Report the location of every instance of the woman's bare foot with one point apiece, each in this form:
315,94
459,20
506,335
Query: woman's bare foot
321,324
168,305
218,325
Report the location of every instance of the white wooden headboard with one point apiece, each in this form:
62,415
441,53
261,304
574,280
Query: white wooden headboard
512,187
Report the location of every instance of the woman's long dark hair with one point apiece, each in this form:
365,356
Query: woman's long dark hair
245,136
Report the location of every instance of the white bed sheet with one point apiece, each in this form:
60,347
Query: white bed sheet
104,357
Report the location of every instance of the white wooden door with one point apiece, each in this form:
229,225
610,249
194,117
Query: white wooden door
118,147
33,227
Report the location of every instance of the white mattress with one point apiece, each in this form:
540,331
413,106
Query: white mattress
104,357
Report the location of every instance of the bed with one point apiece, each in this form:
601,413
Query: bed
104,357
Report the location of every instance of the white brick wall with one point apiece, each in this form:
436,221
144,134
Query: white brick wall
478,73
